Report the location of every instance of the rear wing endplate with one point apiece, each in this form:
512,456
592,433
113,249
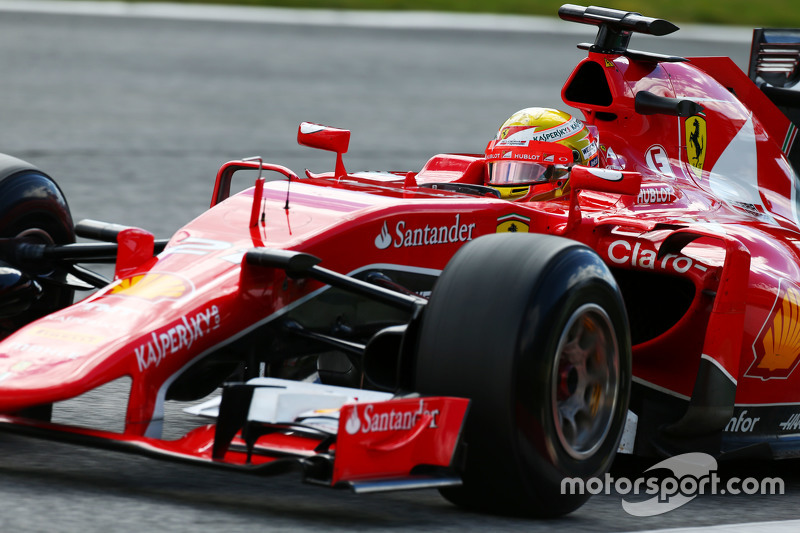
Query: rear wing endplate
775,68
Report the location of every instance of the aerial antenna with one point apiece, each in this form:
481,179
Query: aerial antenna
288,186
259,202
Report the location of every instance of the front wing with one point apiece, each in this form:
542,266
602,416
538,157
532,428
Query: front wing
368,442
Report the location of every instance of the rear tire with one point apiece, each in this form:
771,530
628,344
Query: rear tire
531,328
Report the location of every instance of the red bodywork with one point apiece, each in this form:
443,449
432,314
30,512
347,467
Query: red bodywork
705,250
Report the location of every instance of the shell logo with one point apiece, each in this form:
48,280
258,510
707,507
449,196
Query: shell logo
153,287
777,347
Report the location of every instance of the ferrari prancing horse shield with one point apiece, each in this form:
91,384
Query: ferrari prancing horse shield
696,143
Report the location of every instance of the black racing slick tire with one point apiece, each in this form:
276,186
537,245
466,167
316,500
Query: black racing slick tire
533,329
33,208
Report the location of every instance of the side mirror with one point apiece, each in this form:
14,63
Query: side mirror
605,180
600,180
325,138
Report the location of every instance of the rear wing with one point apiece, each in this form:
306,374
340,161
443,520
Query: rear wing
775,69
774,58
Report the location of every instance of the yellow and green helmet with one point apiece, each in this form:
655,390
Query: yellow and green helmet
537,146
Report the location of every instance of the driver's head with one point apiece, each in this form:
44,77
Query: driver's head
532,152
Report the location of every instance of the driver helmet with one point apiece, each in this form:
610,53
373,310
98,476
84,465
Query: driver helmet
532,153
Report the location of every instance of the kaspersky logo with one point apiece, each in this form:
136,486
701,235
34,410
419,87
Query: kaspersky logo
777,347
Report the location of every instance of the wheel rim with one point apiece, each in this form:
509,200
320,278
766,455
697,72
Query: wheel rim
37,236
585,381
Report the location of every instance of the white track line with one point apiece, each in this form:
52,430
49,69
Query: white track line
349,18
788,526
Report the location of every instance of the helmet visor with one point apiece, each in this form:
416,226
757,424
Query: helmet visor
519,173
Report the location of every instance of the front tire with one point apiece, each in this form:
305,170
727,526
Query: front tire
531,328
34,209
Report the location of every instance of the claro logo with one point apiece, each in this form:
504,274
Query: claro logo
622,252
370,421
406,236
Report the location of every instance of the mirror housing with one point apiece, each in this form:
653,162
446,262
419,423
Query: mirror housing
605,180
599,180
326,138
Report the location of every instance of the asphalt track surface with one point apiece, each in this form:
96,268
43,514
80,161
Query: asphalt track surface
133,116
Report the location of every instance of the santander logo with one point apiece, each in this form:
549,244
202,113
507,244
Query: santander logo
383,240
407,235
375,419
353,423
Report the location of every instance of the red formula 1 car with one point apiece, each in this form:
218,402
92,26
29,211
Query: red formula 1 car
389,330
